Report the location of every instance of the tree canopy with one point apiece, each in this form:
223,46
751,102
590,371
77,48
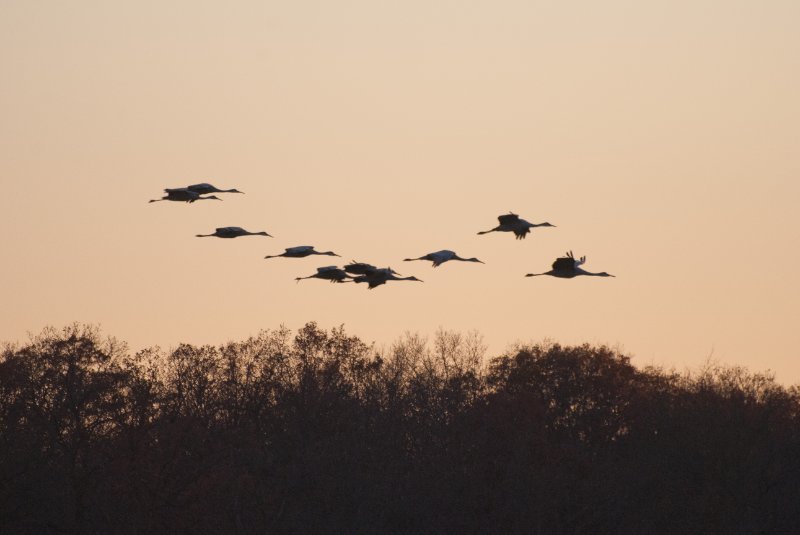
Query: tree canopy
319,432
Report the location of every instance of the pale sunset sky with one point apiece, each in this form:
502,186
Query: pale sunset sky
662,138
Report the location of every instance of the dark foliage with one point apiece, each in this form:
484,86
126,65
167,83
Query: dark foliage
322,433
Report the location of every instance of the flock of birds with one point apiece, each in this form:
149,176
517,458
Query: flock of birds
565,267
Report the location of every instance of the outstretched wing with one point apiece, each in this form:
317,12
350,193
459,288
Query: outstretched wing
326,269
203,187
521,232
564,264
299,249
360,268
508,219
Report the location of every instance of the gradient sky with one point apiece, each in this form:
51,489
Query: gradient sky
661,138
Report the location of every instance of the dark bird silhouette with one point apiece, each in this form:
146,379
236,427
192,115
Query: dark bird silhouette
205,188
440,257
360,268
232,232
330,273
183,195
512,223
567,267
378,276
301,251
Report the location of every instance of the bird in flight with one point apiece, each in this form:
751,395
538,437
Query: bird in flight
330,273
440,257
204,188
232,232
360,268
377,276
301,251
512,223
567,267
183,195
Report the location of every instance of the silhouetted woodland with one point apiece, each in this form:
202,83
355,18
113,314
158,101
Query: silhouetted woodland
319,432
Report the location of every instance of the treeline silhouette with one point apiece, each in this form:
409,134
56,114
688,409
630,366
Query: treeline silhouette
319,432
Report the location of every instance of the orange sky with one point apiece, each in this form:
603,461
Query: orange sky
661,140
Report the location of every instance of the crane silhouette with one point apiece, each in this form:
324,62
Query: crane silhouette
377,276
301,251
232,232
360,268
204,188
511,222
330,273
440,257
567,267
183,195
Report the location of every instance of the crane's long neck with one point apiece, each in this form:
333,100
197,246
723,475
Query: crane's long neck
204,235
456,257
589,274
488,231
